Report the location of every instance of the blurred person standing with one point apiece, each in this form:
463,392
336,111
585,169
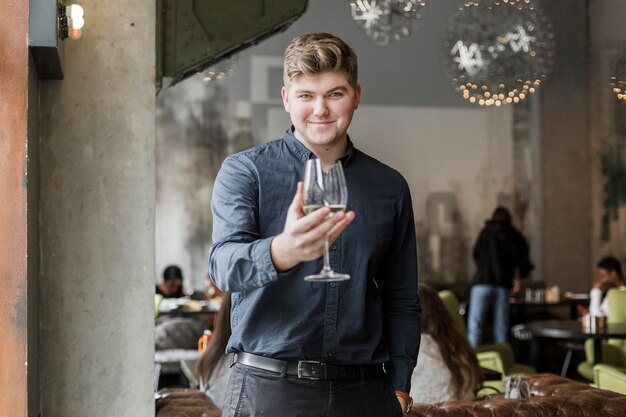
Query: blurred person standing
501,255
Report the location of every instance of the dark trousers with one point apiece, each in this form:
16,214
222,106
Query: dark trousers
256,392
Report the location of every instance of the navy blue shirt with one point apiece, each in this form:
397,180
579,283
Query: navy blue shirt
373,318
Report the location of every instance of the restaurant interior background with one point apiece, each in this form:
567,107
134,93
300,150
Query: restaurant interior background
461,159
82,240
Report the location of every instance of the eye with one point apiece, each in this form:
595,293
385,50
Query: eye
336,94
304,95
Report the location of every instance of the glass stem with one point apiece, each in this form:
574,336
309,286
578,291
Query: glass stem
326,258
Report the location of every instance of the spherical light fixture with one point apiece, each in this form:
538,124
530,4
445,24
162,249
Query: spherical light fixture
498,52
385,21
618,78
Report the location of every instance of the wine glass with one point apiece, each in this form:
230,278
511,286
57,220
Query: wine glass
325,188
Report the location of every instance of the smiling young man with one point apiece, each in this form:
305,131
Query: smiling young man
316,349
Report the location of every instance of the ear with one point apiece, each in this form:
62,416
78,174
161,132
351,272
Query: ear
357,96
285,95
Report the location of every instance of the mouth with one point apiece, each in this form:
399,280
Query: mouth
320,123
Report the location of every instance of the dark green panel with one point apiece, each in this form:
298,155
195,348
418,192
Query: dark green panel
195,34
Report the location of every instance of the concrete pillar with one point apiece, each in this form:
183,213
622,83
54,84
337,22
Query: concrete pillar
565,152
97,218
607,34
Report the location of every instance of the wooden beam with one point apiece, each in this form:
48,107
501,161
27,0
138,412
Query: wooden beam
13,140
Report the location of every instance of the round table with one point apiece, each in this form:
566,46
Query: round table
521,305
573,330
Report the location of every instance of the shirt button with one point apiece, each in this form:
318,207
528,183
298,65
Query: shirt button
332,285
331,321
334,247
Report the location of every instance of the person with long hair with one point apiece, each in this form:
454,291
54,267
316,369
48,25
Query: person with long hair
447,368
214,365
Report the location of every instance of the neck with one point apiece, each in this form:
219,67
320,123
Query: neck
328,154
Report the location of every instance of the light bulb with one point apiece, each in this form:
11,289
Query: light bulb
78,23
74,11
74,33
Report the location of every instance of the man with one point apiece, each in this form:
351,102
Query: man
316,349
501,254
172,285
609,276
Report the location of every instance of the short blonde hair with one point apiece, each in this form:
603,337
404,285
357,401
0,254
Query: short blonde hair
316,53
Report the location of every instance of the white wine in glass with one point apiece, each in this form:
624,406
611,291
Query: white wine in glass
325,188
310,208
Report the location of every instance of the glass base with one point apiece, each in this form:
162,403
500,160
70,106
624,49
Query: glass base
327,276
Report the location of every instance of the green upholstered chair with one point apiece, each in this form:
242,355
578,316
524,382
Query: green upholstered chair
610,378
157,302
498,357
613,350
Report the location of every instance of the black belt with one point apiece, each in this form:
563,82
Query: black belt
311,369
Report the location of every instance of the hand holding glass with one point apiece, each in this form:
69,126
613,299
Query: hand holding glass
324,188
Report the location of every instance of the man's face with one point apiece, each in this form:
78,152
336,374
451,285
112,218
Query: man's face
607,276
321,108
174,285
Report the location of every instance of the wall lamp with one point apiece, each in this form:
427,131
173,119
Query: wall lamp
71,21
50,22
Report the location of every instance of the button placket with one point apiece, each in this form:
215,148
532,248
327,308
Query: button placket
330,322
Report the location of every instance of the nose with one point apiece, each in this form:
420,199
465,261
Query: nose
320,108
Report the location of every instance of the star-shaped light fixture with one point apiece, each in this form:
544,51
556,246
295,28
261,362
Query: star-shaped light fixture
618,78
498,51
385,21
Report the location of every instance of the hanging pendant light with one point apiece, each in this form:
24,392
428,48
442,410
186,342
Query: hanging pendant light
385,21
618,78
498,51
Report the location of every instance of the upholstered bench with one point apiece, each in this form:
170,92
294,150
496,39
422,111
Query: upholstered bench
175,402
551,395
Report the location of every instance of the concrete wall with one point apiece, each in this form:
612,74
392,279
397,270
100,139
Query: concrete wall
13,197
97,219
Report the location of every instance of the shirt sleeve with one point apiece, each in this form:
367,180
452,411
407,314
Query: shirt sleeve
479,246
239,259
400,303
595,302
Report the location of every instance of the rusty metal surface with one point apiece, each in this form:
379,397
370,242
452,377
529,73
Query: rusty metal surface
13,139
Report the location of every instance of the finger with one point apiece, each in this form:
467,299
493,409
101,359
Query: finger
336,230
313,251
295,208
312,220
316,235
310,244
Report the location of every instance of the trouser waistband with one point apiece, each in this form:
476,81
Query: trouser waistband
311,369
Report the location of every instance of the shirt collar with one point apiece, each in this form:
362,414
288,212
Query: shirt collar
302,152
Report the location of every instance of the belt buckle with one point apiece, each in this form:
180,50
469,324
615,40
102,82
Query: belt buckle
312,378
